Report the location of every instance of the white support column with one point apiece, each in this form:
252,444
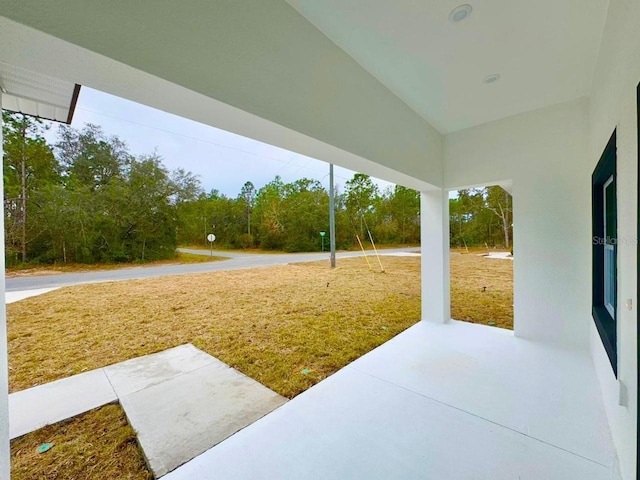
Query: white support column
5,457
434,234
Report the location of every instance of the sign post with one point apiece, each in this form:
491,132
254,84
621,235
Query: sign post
322,234
211,238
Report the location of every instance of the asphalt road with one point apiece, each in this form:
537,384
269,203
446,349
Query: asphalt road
236,261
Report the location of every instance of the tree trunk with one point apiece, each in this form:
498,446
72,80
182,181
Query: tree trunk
204,221
503,215
506,220
24,194
506,233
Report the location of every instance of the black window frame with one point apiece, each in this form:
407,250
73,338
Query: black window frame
605,323
638,283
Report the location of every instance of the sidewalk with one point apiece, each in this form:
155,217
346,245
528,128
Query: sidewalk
180,402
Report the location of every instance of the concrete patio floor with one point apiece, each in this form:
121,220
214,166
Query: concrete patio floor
440,401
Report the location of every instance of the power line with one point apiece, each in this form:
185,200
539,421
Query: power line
210,142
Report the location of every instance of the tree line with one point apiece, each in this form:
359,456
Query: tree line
481,217
85,198
290,216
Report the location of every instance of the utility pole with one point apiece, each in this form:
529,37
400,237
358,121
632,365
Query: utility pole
332,218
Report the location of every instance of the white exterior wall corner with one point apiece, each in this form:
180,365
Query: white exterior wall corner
544,153
613,106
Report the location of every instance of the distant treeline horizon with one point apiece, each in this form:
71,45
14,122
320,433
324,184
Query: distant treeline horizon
86,199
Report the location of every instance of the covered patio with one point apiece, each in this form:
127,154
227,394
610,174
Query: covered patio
456,400
435,96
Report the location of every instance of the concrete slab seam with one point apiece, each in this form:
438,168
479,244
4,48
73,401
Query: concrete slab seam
478,416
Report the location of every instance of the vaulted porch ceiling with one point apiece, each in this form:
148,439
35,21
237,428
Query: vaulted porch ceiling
544,51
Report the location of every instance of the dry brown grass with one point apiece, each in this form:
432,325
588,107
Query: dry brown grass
37,270
98,445
477,250
482,290
269,323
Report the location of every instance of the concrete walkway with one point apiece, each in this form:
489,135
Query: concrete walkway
12,297
498,255
180,402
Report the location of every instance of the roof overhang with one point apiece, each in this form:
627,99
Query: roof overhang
38,95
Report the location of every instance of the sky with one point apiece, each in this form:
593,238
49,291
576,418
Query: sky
222,160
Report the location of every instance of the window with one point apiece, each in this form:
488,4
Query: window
604,225
609,199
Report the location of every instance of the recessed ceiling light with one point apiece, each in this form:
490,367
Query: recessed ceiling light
493,78
459,13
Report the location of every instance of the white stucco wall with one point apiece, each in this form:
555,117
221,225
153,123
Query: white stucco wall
549,154
544,153
613,105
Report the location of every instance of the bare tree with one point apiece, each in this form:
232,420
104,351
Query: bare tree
500,203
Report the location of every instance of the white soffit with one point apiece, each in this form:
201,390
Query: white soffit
544,51
36,94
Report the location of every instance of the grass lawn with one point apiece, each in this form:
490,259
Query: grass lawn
98,444
482,290
34,270
269,323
